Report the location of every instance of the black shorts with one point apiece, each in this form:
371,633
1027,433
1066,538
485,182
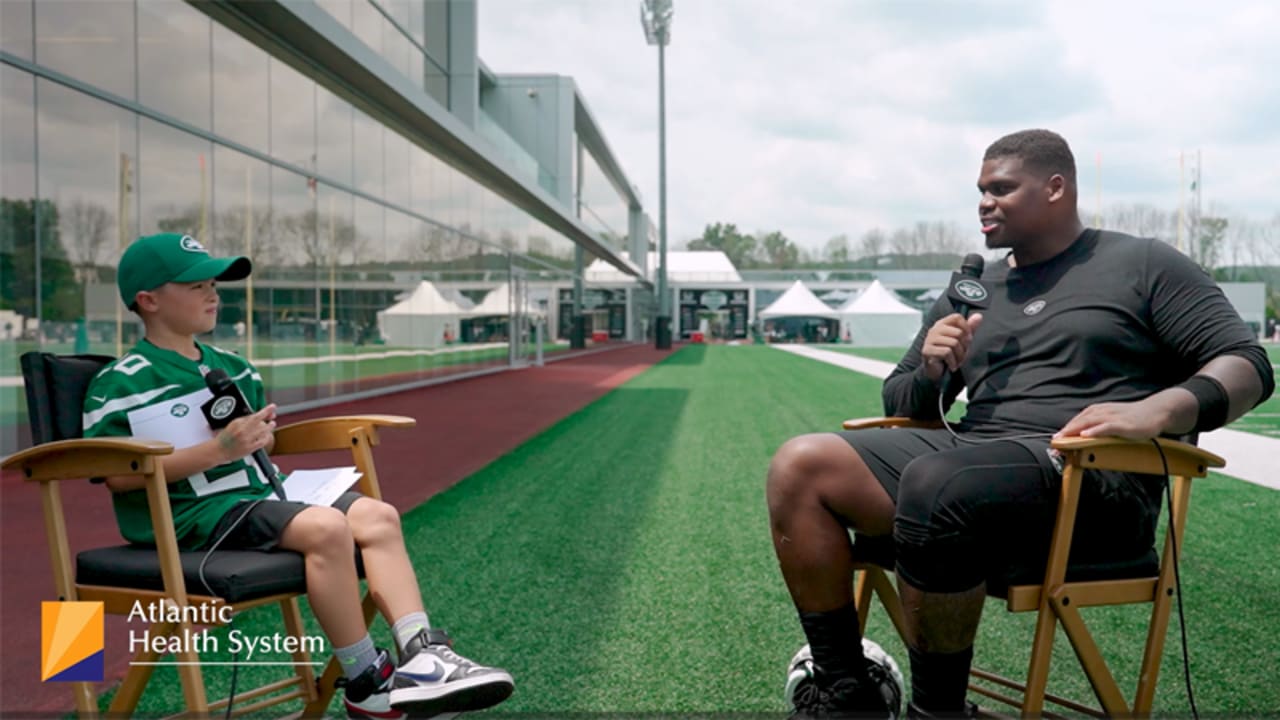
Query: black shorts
259,525
968,512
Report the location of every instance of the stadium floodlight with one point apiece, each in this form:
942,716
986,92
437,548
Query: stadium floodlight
655,16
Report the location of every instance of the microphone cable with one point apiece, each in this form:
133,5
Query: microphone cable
235,657
1177,584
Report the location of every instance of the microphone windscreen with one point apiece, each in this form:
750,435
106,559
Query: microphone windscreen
973,265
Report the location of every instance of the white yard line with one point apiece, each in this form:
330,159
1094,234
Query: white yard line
1248,455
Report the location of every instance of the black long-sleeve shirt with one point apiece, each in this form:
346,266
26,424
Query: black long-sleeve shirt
1113,318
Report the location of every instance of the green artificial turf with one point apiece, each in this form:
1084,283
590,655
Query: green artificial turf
620,561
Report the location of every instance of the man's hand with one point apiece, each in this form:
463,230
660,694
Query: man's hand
1141,420
947,343
247,434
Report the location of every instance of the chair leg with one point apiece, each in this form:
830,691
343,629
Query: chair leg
191,675
292,617
86,699
135,681
862,589
1038,670
325,687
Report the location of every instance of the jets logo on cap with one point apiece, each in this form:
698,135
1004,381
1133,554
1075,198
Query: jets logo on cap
191,244
223,408
971,290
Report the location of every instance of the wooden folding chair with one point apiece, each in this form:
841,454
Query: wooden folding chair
1058,592
120,575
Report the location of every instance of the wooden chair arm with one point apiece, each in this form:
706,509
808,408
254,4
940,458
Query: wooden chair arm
332,433
87,457
1139,456
889,422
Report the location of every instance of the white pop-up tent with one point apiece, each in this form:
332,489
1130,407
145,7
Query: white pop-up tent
420,319
498,302
798,301
877,318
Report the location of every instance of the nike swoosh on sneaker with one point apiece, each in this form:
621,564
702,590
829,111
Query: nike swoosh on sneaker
437,672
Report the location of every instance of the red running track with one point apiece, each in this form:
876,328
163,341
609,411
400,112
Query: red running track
462,426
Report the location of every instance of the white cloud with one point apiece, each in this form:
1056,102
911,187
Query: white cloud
828,117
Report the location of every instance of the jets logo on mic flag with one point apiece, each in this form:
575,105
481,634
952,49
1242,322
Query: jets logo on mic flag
71,642
967,291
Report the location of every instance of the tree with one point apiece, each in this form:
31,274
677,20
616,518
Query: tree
836,250
1208,245
739,248
61,298
872,243
779,252
90,231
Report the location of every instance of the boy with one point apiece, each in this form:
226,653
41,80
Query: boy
218,494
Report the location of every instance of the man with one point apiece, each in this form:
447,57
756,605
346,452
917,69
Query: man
1089,333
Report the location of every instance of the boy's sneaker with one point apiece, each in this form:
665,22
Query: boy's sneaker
433,679
368,695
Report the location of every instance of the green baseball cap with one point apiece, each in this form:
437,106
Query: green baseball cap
154,260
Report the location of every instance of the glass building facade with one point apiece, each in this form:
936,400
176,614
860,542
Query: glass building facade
121,118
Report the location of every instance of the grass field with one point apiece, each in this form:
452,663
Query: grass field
1263,420
620,561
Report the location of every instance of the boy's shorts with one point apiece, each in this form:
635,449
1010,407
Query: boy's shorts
260,525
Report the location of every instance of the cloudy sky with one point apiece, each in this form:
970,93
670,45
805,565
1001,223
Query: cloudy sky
823,117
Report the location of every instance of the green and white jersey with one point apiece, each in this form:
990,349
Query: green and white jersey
141,383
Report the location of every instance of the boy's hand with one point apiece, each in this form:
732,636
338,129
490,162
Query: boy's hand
247,434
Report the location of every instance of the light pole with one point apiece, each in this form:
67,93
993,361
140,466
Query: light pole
655,15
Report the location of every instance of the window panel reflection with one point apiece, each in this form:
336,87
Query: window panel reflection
293,116
18,205
16,28
334,148
174,181
241,226
88,182
90,40
241,83
173,60
367,158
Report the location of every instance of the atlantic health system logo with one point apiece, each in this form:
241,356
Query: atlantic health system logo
71,641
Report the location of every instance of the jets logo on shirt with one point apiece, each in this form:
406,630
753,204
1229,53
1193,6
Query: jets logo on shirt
179,410
1034,308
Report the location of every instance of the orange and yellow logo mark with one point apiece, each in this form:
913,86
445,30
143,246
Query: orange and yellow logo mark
71,641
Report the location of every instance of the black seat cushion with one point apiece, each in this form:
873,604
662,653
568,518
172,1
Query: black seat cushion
233,575
879,551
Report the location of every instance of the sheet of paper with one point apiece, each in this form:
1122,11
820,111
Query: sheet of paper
319,487
177,421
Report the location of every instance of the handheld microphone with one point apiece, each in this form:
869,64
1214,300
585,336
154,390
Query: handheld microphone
967,293
227,404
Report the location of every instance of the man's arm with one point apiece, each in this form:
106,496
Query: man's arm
911,390
1176,410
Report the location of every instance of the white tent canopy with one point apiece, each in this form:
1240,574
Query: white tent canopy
798,301
498,302
420,319
877,317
